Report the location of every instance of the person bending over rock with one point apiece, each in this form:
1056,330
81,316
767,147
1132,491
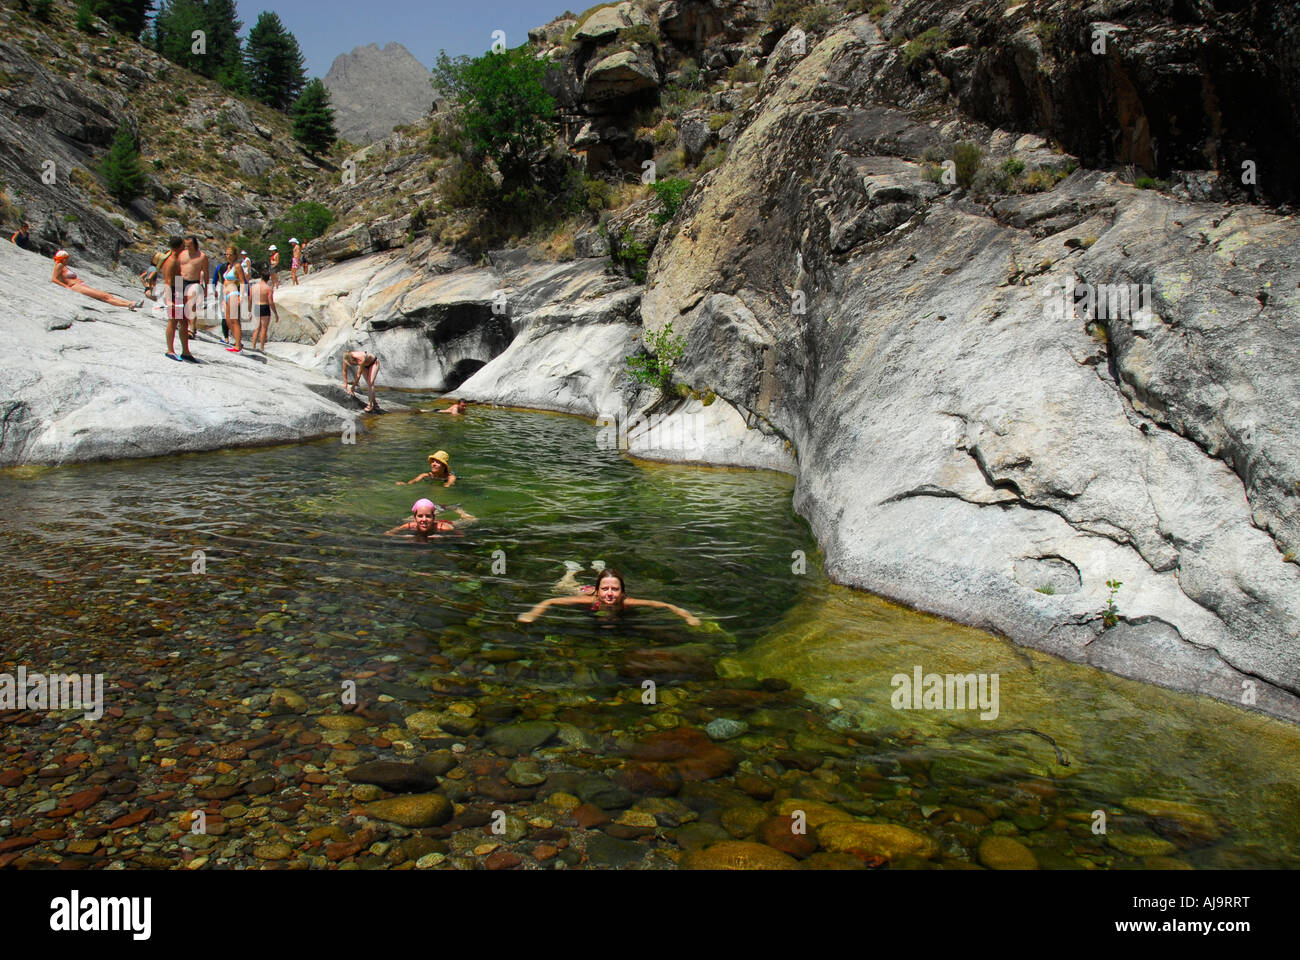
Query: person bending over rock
439,470
367,364
65,276
611,596
423,525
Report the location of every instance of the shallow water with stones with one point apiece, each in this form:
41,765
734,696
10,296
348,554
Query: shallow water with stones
225,676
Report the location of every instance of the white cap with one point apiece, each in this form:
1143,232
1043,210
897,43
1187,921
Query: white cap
243,253
271,247
293,239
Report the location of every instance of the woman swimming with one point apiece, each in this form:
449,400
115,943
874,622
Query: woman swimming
424,524
439,469
64,276
610,595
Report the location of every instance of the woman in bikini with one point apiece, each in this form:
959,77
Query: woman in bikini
295,264
611,596
232,283
367,364
273,273
64,276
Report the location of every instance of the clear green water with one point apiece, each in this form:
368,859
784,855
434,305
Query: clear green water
99,577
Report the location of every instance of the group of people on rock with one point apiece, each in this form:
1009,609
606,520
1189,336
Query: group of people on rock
607,595
239,294
233,289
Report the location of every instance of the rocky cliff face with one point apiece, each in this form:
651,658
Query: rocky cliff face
373,90
971,439
969,443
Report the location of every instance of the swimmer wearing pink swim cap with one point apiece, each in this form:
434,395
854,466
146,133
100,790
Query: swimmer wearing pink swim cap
424,525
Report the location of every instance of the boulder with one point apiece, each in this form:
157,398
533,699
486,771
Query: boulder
624,74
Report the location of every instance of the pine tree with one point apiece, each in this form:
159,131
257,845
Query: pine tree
313,118
173,33
275,64
225,50
124,16
121,167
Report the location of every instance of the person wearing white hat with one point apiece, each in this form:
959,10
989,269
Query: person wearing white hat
296,262
247,263
273,271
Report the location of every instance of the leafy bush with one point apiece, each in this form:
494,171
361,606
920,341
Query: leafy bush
506,113
670,193
744,72
1013,166
712,159
665,133
785,13
643,34
654,363
1110,616
924,45
1038,180
967,156
597,194
85,19
306,220
629,255
816,16
878,10
990,179
718,121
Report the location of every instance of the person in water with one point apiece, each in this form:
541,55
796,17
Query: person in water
457,408
424,524
439,469
611,595
367,364
65,276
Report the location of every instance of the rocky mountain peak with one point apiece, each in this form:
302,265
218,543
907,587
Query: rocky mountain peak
374,89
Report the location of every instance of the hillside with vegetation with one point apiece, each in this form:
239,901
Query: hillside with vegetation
209,157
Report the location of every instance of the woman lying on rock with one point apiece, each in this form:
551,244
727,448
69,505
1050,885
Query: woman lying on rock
611,596
424,525
64,276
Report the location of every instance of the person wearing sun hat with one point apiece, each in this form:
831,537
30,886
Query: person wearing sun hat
273,271
295,264
439,469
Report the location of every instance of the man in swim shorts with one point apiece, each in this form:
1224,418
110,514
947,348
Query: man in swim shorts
194,274
174,299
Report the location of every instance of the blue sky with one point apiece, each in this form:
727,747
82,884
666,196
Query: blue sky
326,28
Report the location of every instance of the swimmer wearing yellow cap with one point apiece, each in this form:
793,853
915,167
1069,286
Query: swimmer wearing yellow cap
439,469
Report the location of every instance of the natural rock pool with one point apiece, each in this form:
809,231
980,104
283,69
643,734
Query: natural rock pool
530,744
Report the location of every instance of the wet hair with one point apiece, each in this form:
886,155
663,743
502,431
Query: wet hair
176,243
193,238
610,573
